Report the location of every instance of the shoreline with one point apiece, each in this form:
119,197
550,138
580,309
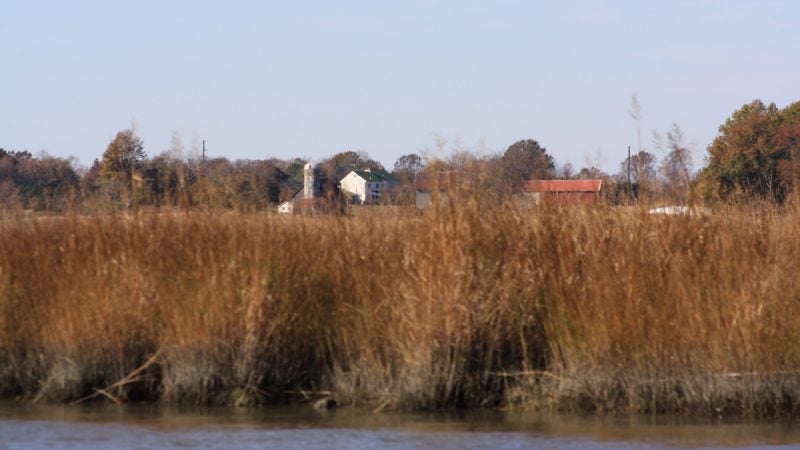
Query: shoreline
597,310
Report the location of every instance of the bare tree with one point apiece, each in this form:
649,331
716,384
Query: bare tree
636,114
676,167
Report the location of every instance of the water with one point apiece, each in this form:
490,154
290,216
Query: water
143,427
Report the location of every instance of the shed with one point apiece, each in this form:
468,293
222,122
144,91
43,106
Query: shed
428,184
564,192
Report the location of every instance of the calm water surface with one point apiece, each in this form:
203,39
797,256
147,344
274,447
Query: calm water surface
141,427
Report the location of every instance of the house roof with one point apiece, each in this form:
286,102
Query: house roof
562,186
431,181
374,175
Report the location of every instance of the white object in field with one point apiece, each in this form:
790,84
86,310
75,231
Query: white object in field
681,211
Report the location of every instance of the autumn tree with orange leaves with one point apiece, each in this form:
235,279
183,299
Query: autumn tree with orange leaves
756,154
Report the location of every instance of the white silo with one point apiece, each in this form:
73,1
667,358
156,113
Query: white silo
311,181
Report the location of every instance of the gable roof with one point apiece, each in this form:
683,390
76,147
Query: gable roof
563,186
374,175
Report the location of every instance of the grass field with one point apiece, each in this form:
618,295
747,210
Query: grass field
589,309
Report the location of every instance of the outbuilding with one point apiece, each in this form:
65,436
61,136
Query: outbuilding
564,192
429,185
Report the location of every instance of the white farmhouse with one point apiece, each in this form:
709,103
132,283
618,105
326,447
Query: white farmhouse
367,186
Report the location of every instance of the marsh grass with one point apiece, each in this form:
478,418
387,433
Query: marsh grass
470,303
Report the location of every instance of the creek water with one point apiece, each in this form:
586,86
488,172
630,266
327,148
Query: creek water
298,427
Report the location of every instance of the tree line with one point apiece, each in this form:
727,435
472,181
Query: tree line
755,155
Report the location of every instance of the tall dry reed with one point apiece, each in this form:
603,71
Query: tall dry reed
472,303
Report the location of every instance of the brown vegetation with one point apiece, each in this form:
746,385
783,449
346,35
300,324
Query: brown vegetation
601,309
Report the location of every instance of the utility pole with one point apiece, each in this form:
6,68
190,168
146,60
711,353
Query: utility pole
204,153
629,164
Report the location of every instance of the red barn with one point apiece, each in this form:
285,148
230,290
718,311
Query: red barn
564,192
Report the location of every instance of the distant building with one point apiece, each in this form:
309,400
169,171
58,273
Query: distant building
564,192
367,186
287,207
317,195
428,185
442,185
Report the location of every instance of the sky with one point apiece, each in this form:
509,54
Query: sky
262,79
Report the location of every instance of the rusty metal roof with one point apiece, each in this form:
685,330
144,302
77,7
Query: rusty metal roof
562,186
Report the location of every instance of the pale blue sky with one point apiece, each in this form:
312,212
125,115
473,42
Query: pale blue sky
260,79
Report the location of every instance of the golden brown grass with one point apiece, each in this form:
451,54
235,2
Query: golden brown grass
475,304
